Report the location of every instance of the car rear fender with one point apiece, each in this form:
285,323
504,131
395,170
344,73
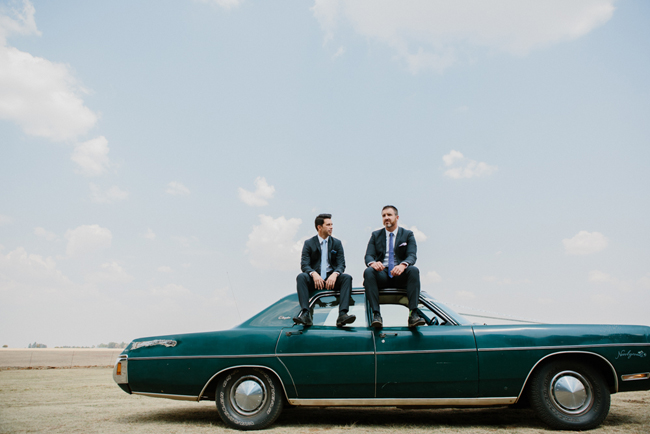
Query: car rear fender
594,359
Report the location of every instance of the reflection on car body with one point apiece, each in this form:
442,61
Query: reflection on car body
565,372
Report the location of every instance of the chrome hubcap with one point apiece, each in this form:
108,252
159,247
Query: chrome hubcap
571,392
248,395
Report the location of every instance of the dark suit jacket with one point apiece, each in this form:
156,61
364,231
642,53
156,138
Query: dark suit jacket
405,247
311,255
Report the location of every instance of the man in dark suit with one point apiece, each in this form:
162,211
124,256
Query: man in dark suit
390,257
322,264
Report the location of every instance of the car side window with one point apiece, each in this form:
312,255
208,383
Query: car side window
395,312
325,310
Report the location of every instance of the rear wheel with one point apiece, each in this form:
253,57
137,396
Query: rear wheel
248,399
569,395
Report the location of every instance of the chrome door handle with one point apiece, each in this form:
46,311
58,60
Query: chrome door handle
383,335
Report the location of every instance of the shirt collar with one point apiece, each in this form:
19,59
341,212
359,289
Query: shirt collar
320,240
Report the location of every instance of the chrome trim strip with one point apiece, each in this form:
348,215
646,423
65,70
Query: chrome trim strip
168,396
463,350
360,353
232,356
569,352
392,402
559,347
639,376
243,366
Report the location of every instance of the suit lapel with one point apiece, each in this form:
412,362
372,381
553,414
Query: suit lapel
381,246
399,239
330,241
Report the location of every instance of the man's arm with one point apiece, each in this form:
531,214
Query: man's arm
370,250
340,257
305,259
411,249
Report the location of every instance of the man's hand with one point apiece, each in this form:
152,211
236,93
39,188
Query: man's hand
397,270
377,266
331,281
319,283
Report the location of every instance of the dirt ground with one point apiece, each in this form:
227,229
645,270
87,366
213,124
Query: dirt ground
85,400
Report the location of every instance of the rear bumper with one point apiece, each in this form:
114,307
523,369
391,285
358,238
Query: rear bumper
121,373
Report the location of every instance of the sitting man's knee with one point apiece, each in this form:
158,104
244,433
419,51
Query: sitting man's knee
304,277
368,272
412,269
345,278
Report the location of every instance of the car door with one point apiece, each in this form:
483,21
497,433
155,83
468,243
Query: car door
326,361
431,361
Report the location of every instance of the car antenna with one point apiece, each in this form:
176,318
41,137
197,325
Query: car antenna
233,295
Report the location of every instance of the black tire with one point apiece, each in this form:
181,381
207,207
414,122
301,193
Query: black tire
569,395
249,399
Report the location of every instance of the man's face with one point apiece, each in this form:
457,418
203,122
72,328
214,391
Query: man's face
389,219
325,230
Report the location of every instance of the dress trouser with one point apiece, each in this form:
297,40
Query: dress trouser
374,280
343,285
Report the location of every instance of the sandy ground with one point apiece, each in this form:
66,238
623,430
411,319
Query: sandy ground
85,400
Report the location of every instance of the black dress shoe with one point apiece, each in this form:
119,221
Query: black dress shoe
376,321
416,320
304,318
344,319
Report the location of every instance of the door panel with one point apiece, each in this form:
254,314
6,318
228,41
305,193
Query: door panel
431,361
330,362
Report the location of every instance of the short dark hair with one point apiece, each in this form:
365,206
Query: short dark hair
320,219
390,206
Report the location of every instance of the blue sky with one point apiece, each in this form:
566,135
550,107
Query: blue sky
162,162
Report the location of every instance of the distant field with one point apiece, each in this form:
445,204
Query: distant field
87,401
57,357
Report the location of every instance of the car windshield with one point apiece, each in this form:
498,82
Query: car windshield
449,311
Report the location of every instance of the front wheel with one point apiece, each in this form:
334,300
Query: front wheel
570,395
248,399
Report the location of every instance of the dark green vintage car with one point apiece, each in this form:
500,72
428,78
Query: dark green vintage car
565,372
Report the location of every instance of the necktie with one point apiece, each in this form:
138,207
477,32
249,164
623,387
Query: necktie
391,258
323,259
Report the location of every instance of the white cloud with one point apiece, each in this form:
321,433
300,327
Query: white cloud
226,4
165,269
5,220
431,277
629,285
177,189
185,241
110,195
30,275
87,239
434,35
110,272
41,232
263,191
339,52
150,235
600,277
585,243
92,156
465,168
271,244
418,234
42,97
